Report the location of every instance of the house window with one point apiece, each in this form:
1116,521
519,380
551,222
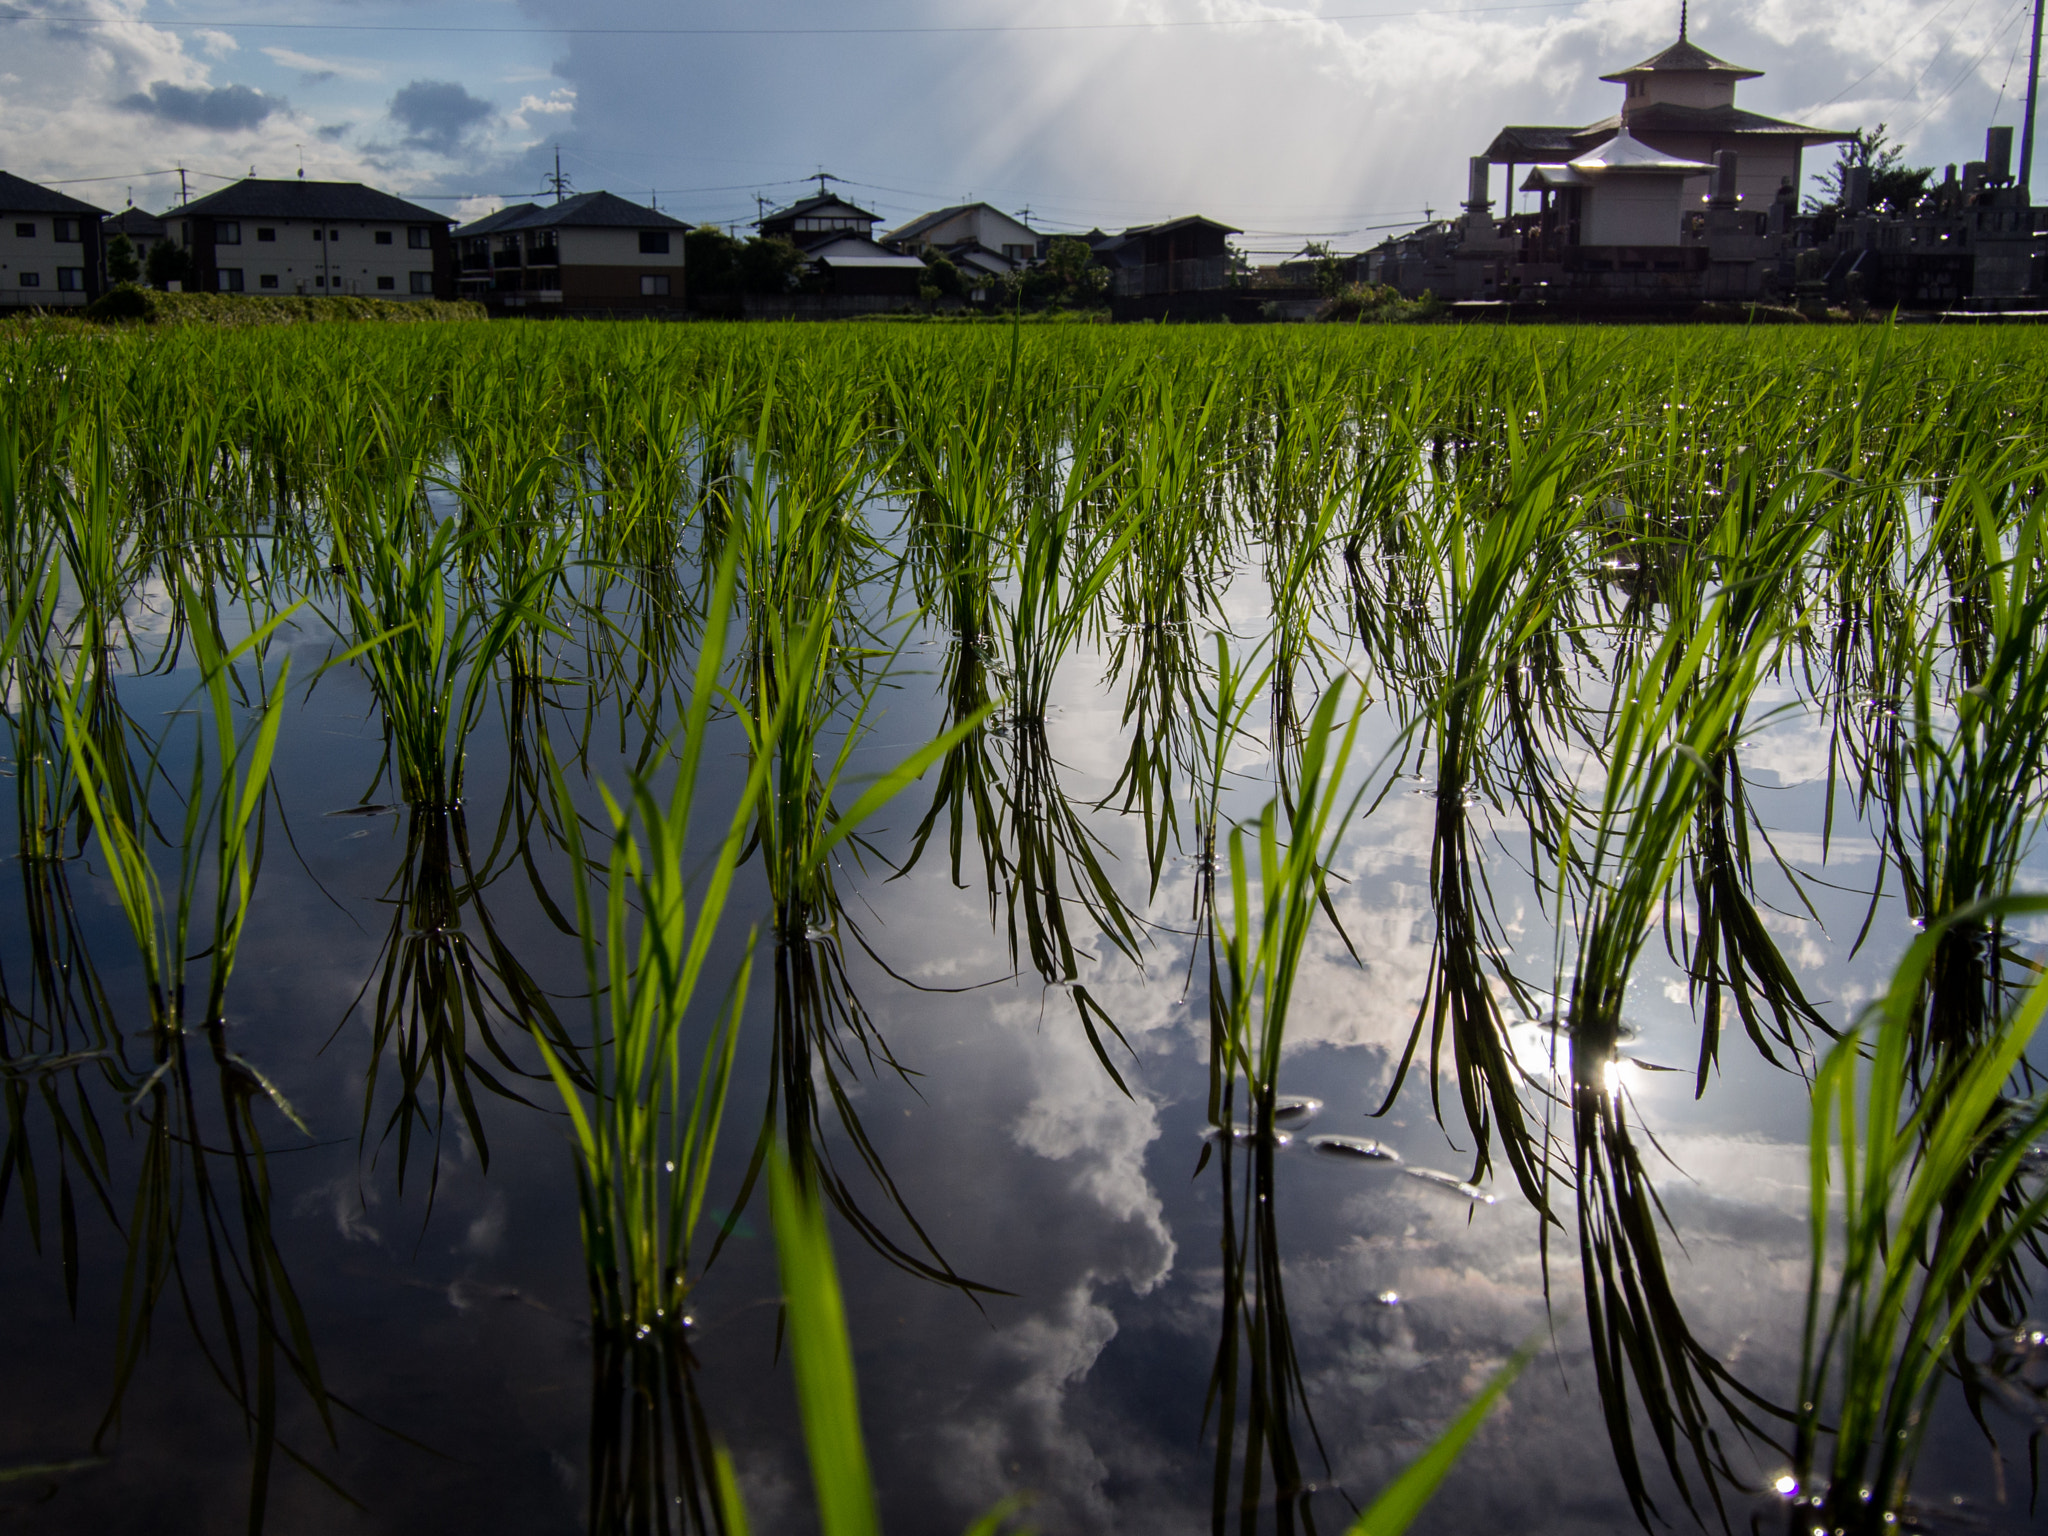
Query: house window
653,242
653,285
321,282
227,232
383,237
230,279
423,282
31,279
386,284
267,280
24,231
71,279
419,238
266,234
1019,252
65,230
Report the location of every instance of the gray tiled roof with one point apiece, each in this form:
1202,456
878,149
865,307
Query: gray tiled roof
254,198
586,210
19,196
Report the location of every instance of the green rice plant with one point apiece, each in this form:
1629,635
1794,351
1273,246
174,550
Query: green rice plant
1760,547
1673,717
1916,1209
1262,945
1970,791
430,668
161,921
1064,561
1501,584
645,1139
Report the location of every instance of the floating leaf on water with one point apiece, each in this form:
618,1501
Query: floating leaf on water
1295,1109
367,810
1360,1148
1243,1135
1451,1182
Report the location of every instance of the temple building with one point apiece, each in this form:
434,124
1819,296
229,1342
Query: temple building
1680,102
1682,198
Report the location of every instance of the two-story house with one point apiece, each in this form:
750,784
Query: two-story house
315,237
144,230
837,238
585,255
973,236
49,247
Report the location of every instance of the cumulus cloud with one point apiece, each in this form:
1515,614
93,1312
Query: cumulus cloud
438,115
222,108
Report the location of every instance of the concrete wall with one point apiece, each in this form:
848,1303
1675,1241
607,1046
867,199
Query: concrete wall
293,260
620,248
1631,210
41,256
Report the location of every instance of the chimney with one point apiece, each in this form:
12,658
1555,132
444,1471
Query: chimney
1998,153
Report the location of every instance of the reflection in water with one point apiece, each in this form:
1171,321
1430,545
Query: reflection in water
449,994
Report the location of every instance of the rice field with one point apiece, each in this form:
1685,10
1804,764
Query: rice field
903,928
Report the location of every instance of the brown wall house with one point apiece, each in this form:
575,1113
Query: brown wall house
592,254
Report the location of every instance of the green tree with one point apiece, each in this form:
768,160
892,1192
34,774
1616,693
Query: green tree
169,263
1894,187
711,258
941,278
122,267
770,266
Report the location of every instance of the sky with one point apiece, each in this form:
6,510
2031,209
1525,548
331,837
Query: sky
1335,120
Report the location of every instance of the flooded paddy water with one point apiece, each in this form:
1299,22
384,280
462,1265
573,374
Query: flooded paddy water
1255,880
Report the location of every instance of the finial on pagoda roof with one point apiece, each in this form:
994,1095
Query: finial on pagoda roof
1683,7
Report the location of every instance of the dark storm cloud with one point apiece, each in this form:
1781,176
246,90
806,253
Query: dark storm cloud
437,115
225,108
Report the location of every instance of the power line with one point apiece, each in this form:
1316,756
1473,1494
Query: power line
999,28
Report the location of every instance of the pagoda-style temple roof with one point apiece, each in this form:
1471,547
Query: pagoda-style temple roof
1683,57
1531,145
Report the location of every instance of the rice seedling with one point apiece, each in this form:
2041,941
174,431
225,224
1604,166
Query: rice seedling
431,668
1500,589
1916,1208
645,1139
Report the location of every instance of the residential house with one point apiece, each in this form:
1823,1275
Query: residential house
1184,255
319,237
979,240
145,231
845,261
49,247
591,254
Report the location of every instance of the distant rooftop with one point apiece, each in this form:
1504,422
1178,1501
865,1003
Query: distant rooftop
586,210
19,196
290,198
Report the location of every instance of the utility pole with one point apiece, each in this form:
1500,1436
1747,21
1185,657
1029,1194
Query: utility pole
558,181
2033,87
184,196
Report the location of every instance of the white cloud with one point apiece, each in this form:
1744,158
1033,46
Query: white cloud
310,64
